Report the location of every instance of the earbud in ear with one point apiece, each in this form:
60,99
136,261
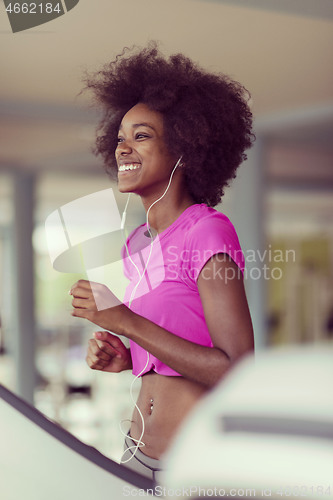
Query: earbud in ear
180,163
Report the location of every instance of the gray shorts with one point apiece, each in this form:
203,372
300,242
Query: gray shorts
141,463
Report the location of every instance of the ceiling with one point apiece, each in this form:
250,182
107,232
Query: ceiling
321,9
281,51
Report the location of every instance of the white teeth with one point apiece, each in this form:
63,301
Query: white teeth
124,168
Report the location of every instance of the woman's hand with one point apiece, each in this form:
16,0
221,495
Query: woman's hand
96,303
107,353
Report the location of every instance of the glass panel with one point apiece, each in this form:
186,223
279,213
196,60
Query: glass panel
300,236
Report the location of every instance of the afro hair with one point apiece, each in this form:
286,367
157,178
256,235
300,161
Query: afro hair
206,116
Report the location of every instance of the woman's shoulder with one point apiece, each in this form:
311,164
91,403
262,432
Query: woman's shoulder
211,229
204,218
210,232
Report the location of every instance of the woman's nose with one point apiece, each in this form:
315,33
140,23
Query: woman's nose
123,147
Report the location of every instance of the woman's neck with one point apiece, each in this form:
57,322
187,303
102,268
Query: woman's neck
167,210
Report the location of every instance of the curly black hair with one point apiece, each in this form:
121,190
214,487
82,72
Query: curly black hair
206,116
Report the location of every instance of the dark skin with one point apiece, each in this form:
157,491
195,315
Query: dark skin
220,286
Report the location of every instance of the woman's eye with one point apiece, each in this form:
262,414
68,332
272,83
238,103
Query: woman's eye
119,139
141,136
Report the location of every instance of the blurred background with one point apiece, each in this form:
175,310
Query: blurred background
281,202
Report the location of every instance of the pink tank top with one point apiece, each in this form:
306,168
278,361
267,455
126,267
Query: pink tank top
168,294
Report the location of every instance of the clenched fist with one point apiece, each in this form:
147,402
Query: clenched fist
106,352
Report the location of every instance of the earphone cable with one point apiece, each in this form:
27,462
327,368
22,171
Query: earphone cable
139,442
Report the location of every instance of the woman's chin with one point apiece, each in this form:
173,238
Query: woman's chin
125,187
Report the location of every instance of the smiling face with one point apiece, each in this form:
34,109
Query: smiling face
143,159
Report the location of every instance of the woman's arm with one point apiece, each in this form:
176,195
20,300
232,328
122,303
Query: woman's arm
226,313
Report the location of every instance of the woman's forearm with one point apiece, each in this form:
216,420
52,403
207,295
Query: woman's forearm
204,365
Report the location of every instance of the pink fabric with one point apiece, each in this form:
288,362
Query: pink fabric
168,293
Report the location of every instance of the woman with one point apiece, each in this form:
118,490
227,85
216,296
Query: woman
174,135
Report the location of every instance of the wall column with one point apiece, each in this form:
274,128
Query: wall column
248,217
23,344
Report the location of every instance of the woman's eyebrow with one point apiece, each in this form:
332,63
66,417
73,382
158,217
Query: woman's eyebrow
143,124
